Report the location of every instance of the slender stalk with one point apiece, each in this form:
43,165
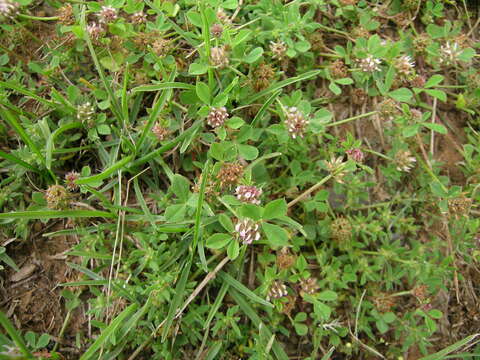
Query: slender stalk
39,18
352,118
309,191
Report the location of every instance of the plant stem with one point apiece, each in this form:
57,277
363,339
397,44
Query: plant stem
309,191
352,118
39,18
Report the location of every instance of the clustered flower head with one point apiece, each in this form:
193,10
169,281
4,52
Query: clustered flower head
70,179
278,49
222,16
459,206
335,167
139,18
369,64
160,131
8,8
85,113
404,65
355,154
295,122
338,70
308,286
219,57
248,194
216,30
161,47
65,15
388,109
95,30
57,197
341,229
277,290
263,76
217,116
247,231
404,160
229,174
108,14
449,53
285,259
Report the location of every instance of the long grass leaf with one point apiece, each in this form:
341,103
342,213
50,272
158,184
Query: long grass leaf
15,160
109,331
56,214
198,215
253,316
454,347
28,93
264,107
50,147
164,86
213,351
243,289
106,173
216,305
17,339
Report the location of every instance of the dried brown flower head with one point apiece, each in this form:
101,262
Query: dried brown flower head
65,15
139,18
285,259
316,40
161,47
459,206
359,96
388,109
338,70
420,292
263,76
108,14
8,8
229,174
57,197
219,57
216,30
384,303
160,131
278,49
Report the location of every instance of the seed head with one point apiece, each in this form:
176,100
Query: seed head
341,229
360,32
459,206
277,290
421,42
219,57
316,40
216,30
285,259
411,4
420,292
248,194
65,15
388,110
359,96
356,155
70,179
139,18
263,76
335,167
308,286
247,231
338,70
222,16
217,117
85,113
107,15
278,49
369,64
161,47
229,174
295,122
57,197
404,160
8,9
160,132
384,303
404,65
418,81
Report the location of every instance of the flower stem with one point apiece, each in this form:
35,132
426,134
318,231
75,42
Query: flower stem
352,118
309,191
39,18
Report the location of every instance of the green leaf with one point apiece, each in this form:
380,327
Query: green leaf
302,46
106,173
254,55
327,295
276,235
197,69
410,130
251,211
439,94
248,152
389,317
300,329
344,81
226,222
433,81
180,187
203,92
56,214
402,94
436,127
218,241
382,326
436,314
335,88
233,250
275,209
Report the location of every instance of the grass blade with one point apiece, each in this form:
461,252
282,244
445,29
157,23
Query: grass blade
50,147
15,160
243,289
109,331
198,214
106,173
252,315
164,86
17,339
264,107
454,347
28,93
56,214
